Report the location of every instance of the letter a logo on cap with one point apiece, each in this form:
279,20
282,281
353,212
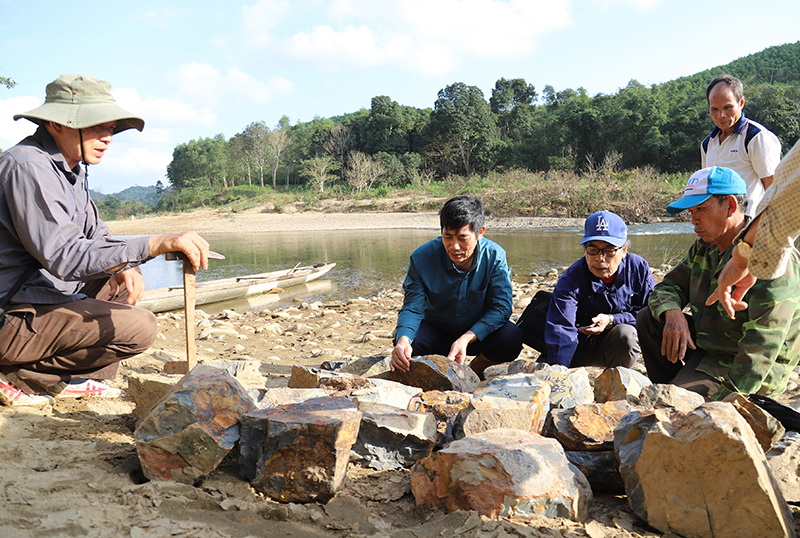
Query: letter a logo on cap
602,224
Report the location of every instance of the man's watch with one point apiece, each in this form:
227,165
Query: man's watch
744,248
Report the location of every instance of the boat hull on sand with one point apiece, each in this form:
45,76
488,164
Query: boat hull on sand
215,291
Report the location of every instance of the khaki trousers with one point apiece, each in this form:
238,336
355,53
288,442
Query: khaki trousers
43,344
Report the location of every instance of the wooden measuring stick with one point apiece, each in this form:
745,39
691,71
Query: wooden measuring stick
189,297
189,300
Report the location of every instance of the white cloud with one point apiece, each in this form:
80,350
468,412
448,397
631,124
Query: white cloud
136,160
433,37
353,46
207,84
162,19
161,109
641,5
251,89
260,18
484,27
12,131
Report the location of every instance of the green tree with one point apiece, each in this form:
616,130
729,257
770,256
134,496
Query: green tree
464,123
7,82
507,97
777,107
219,160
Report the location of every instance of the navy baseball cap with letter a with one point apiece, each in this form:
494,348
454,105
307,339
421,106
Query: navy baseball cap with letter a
706,182
605,226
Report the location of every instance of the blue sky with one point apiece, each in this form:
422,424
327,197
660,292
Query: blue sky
194,69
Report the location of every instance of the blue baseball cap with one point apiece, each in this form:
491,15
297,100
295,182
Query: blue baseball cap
704,183
605,226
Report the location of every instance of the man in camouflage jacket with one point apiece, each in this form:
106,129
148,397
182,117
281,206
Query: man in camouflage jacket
708,351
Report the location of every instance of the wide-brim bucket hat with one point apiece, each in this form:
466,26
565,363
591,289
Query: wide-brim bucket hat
79,102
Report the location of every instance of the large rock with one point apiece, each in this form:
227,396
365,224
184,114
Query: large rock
445,407
525,366
619,384
784,460
393,438
702,474
306,377
503,473
189,431
520,401
299,452
435,372
588,427
568,386
147,389
385,392
276,396
601,469
669,396
247,372
766,427
367,366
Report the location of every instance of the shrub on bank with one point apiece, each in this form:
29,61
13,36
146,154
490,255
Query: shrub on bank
638,194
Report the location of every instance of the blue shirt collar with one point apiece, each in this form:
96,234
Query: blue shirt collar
736,130
475,258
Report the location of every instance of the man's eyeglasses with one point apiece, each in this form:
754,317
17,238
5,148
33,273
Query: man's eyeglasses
592,250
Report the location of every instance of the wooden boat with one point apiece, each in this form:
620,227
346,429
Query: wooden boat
226,289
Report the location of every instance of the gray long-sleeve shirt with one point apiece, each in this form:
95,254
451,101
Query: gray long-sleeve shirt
47,217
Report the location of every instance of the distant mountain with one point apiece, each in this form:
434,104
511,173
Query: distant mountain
146,195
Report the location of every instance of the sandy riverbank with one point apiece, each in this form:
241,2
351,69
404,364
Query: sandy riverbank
254,220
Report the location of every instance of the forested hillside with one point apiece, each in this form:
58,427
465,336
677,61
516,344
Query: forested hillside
466,133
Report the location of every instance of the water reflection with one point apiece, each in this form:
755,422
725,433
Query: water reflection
370,260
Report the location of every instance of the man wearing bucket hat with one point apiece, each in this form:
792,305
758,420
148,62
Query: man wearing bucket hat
707,351
66,286
590,320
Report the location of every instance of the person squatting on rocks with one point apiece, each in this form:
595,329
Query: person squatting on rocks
68,285
706,351
458,297
737,142
590,319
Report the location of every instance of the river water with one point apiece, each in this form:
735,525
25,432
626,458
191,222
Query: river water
371,260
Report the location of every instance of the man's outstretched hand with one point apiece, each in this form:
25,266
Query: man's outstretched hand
734,281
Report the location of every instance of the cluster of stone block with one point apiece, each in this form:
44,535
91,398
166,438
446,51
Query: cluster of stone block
533,441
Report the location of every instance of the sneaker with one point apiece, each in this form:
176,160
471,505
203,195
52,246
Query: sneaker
11,395
80,388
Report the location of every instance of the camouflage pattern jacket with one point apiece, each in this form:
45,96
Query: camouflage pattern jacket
757,351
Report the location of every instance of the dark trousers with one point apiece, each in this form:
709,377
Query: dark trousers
660,369
503,345
618,346
43,344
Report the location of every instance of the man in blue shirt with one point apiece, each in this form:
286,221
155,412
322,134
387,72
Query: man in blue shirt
591,319
458,295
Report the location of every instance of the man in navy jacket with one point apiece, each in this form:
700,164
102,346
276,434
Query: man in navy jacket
591,318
